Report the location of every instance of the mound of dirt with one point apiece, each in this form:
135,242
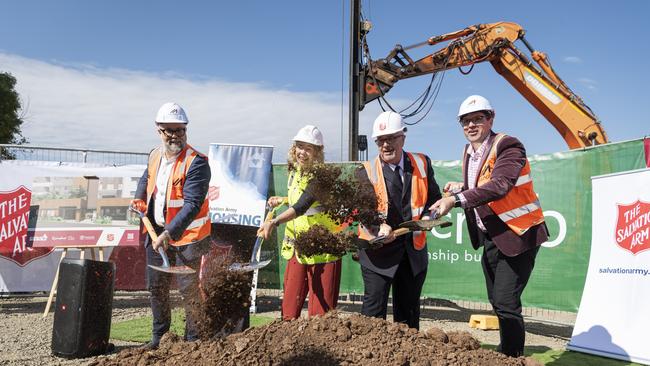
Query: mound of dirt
328,340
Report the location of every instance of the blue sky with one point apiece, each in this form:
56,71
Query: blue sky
92,74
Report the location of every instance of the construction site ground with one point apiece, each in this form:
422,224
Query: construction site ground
26,335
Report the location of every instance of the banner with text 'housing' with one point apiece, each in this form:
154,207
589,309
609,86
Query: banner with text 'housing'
239,183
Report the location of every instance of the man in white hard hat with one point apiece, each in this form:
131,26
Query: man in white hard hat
172,192
406,188
503,215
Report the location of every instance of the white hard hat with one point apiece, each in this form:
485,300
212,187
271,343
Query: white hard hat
171,113
387,123
309,134
474,103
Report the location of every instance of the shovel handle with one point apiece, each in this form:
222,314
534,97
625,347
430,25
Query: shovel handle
401,231
258,242
162,253
150,229
154,237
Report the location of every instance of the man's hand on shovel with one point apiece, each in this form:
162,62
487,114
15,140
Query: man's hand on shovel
162,241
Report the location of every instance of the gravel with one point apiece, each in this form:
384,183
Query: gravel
26,336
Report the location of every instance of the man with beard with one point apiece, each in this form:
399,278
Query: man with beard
172,192
405,188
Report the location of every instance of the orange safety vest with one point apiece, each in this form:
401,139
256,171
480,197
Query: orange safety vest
419,191
519,208
199,228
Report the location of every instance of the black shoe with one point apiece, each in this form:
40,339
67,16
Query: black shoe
152,345
110,347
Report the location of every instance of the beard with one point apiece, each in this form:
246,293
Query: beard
174,147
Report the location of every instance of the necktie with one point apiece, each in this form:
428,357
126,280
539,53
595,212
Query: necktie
397,179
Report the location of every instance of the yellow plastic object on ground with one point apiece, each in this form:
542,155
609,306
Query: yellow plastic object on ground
485,322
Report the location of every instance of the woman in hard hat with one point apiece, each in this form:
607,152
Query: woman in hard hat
318,275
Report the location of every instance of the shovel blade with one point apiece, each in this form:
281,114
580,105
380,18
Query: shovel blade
424,225
248,267
174,269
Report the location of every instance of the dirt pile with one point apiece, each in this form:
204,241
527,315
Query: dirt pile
344,198
329,340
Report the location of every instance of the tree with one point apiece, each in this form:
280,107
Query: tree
10,120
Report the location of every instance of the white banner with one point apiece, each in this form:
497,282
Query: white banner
50,204
239,183
613,315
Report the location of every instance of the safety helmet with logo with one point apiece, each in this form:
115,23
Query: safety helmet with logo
309,134
171,113
474,103
387,123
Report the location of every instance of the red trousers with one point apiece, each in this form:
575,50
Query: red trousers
322,281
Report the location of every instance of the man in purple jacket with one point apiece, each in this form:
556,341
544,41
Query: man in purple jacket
503,215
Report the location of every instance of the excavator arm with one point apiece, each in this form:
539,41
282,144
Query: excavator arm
537,82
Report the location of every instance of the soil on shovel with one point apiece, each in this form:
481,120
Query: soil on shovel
318,240
332,339
344,198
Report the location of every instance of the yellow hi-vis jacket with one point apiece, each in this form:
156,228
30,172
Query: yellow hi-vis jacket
519,208
419,191
199,228
297,185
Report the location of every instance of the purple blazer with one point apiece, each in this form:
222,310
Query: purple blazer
511,158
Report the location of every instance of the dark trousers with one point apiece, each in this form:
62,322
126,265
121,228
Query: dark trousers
505,279
406,294
158,284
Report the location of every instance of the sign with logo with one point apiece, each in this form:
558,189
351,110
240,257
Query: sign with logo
617,289
633,227
45,205
239,183
14,243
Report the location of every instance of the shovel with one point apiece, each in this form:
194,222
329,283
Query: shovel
377,241
424,225
166,267
254,264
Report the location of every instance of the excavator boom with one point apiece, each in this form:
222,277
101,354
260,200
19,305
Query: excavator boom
494,43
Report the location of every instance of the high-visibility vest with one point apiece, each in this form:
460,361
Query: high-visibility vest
313,216
519,208
419,192
199,228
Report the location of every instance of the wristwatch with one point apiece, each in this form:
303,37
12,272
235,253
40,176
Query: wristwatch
457,202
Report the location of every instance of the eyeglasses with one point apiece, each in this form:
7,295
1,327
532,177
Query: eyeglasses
389,139
478,120
169,132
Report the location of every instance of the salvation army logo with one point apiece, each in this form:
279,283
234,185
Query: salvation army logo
14,220
213,193
633,227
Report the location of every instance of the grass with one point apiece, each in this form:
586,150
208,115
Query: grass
558,357
139,329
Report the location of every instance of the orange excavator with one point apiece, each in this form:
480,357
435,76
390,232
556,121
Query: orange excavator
494,42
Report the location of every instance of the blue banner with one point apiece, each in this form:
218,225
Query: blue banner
239,183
